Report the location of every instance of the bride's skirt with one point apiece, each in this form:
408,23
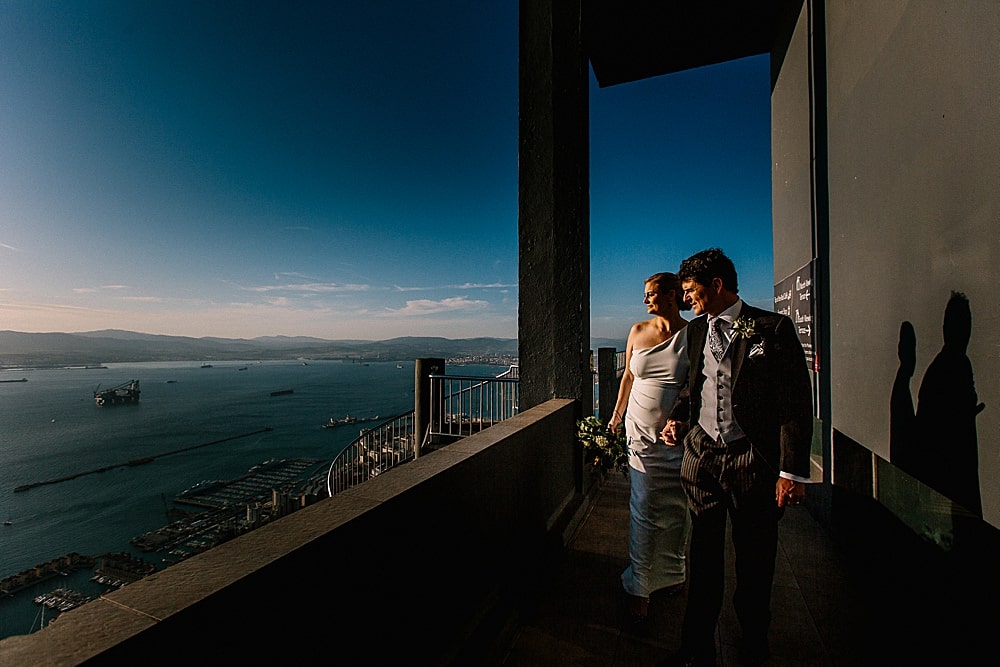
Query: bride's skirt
659,526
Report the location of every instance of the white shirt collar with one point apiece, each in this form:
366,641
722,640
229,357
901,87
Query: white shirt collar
730,314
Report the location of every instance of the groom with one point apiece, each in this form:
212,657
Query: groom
747,425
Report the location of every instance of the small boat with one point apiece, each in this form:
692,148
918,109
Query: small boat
206,365
242,368
399,365
8,522
282,392
21,380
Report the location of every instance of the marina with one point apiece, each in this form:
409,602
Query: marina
228,508
62,599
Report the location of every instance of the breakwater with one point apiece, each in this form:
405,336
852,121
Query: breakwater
136,462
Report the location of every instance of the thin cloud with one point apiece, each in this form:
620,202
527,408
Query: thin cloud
310,287
94,290
485,285
10,247
400,288
28,307
281,275
144,299
420,307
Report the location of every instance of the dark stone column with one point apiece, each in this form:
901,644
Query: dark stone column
553,206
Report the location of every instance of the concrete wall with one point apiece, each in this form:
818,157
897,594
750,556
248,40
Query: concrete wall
408,568
914,137
886,143
791,155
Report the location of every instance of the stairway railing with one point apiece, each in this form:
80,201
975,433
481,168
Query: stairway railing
459,406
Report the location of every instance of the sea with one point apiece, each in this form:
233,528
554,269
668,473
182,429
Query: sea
50,428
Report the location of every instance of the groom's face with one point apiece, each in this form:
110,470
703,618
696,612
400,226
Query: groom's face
701,297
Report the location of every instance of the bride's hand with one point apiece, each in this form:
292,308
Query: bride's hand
615,422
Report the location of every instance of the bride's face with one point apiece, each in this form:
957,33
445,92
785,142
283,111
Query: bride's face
656,301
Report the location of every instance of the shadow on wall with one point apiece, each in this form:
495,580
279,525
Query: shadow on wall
937,443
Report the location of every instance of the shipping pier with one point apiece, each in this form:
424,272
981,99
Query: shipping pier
268,490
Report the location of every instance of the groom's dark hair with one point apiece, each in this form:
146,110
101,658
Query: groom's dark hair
703,266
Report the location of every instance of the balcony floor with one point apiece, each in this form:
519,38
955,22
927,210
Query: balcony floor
821,612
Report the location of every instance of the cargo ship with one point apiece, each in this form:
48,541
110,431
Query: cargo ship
347,420
124,394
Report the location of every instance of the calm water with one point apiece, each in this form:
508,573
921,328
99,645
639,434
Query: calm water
50,427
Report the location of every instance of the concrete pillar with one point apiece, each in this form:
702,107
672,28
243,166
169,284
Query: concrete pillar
422,370
553,205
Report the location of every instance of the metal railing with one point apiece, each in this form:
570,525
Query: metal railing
459,406
463,405
373,452
392,442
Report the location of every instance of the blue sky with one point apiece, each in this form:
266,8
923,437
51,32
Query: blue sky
338,170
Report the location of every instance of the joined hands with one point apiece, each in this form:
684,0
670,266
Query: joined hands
673,432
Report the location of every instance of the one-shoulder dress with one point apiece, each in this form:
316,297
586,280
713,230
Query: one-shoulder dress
659,524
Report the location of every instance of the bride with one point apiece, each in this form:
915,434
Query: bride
656,367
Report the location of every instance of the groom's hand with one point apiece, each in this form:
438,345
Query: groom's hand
789,492
673,432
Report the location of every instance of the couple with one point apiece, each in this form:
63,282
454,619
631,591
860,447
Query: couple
733,403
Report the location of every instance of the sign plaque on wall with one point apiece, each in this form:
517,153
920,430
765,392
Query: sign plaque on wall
794,297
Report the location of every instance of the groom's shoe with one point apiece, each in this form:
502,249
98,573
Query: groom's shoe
686,659
754,654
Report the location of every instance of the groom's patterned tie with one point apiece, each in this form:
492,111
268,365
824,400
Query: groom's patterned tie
715,339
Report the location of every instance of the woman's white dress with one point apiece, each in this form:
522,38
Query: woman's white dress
659,522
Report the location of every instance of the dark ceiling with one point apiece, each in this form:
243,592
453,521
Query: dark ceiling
627,40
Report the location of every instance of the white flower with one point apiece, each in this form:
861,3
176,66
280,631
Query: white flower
744,327
757,350
604,449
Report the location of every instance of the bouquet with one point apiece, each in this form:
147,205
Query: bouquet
602,448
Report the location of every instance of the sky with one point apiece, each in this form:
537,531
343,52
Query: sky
336,170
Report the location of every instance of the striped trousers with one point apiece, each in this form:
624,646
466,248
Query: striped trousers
728,481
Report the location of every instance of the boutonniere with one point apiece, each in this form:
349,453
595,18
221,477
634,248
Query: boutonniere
744,327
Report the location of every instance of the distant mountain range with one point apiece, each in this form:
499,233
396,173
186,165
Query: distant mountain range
116,346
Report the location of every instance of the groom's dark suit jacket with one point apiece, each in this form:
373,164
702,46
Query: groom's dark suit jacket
772,394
